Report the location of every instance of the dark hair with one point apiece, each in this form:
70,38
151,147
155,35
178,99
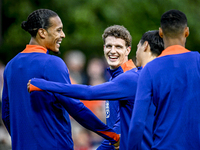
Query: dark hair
118,32
38,19
154,40
173,23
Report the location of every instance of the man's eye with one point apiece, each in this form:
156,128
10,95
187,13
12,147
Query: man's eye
59,30
108,46
118,47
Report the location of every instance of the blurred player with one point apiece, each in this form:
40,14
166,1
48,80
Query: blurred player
171,82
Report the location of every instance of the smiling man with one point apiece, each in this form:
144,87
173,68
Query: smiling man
117,46
39,121
116,51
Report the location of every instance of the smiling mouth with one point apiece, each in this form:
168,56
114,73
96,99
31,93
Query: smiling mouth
113,58
58,43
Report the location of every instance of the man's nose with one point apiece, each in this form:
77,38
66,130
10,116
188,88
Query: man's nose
113,49
63,34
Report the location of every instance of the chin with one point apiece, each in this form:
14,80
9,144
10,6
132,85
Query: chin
56,51
114,66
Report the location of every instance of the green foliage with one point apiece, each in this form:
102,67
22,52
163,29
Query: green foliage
85,20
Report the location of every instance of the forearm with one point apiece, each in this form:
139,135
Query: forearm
113,90
94,124
87,119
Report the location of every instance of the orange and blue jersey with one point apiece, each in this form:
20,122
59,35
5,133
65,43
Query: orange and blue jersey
171,83
112,107
40,120
121,88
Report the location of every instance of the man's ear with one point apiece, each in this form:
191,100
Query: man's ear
187,32
42,33
128,50
160,32
145,44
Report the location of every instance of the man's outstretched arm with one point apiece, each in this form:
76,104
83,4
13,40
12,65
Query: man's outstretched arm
120,88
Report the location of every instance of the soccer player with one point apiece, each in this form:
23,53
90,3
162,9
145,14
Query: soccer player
121,88
171,82
38,121
117,46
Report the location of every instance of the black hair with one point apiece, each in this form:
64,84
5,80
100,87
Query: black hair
173,23
154,40
38,19
118,32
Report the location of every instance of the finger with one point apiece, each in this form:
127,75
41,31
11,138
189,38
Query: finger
28,86
117,148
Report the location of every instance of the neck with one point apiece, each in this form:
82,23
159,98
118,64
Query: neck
148,59
173,41
33,41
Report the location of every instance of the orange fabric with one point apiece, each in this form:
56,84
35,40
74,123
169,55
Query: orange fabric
172,50
128,65
72,80
34,48
34,88
111,134
92,105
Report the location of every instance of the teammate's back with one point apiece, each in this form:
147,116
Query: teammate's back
176,94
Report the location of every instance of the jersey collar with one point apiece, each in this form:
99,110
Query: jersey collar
128,65
34,48
172,50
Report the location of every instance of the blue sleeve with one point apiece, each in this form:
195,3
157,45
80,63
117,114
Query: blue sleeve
116,89
58,72
140,111
116,127
5,106
105,146
86,118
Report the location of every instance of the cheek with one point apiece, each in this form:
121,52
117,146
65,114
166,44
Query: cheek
138,52
122,57
104,51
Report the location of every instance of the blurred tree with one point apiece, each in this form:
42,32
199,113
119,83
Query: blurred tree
85,20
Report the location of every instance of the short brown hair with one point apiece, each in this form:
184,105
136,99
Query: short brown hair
118,32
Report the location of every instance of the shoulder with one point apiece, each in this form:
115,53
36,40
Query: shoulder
55,69
129,76
55,61
52,58
132,72
12,61
195,53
